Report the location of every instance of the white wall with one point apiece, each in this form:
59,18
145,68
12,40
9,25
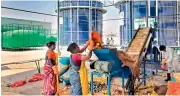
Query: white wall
29,16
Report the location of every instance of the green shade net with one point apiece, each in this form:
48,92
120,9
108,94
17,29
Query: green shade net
18,39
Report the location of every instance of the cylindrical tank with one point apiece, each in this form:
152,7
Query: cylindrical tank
158,11
80,17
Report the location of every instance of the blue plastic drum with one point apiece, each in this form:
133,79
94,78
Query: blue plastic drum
64,60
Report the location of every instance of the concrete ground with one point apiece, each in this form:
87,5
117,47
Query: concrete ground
15,72
11,73
15,56
33,88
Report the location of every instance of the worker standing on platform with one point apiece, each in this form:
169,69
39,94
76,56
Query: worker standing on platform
167,58
76,58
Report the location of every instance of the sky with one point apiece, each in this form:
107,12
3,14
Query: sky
37,6
50,7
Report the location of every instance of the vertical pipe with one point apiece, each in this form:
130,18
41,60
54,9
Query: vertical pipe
149,8
90,17
157,20
151,59
147,12
157,63
131,20
91,83
125,36
144,63
62,26
95,17
78,23
58,26
109,84
122,77
121,35
70,11
178,30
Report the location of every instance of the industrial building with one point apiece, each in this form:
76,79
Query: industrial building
8,20
78,19
162,13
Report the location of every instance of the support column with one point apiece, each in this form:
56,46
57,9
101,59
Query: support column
90,17
58,26
178,30
157,21
78,23
131,19
71,20
147,12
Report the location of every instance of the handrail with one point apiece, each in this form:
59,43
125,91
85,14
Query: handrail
21,62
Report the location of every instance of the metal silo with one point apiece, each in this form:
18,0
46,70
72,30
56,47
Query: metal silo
79,18
162,13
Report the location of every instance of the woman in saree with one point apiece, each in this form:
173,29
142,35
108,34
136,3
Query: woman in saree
76,58
50,70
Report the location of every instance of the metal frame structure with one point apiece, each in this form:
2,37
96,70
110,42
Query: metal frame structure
108,75
36,61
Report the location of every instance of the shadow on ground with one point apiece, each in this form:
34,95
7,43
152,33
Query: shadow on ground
23,49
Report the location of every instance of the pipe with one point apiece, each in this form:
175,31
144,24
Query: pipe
131,19
70,12
178,30
58,26
78,24
90,17
147,12
157,20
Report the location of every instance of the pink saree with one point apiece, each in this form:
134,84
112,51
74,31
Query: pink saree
49,80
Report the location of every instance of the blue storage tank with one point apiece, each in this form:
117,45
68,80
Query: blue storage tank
79,18
161,11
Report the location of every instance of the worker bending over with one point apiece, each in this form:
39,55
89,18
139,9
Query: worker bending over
76,58
169,59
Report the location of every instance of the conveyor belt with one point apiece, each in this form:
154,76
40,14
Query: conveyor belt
136,50
139,43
